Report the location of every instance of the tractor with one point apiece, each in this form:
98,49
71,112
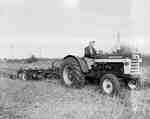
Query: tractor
112,71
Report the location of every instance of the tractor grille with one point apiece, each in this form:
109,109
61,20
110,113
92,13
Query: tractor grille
135,66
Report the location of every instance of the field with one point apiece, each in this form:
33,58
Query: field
48,99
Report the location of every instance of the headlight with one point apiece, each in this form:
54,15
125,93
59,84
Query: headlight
135,56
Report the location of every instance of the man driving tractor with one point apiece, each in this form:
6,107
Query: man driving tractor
90,50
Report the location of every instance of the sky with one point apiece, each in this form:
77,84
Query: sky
55,28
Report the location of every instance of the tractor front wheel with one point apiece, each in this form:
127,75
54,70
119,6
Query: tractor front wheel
110,85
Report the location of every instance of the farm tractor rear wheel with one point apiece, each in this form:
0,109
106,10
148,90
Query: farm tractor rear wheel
110,85
71,73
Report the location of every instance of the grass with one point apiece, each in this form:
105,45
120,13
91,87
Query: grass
30,99
44,100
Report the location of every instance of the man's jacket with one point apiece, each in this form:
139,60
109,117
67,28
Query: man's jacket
90,52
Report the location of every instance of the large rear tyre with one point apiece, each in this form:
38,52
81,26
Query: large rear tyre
110,85
71,73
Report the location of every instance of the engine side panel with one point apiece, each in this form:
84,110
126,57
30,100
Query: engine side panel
98,69
109,67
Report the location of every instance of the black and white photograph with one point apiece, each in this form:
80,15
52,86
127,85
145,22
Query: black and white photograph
74,59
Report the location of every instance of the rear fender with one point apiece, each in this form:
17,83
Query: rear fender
81,61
